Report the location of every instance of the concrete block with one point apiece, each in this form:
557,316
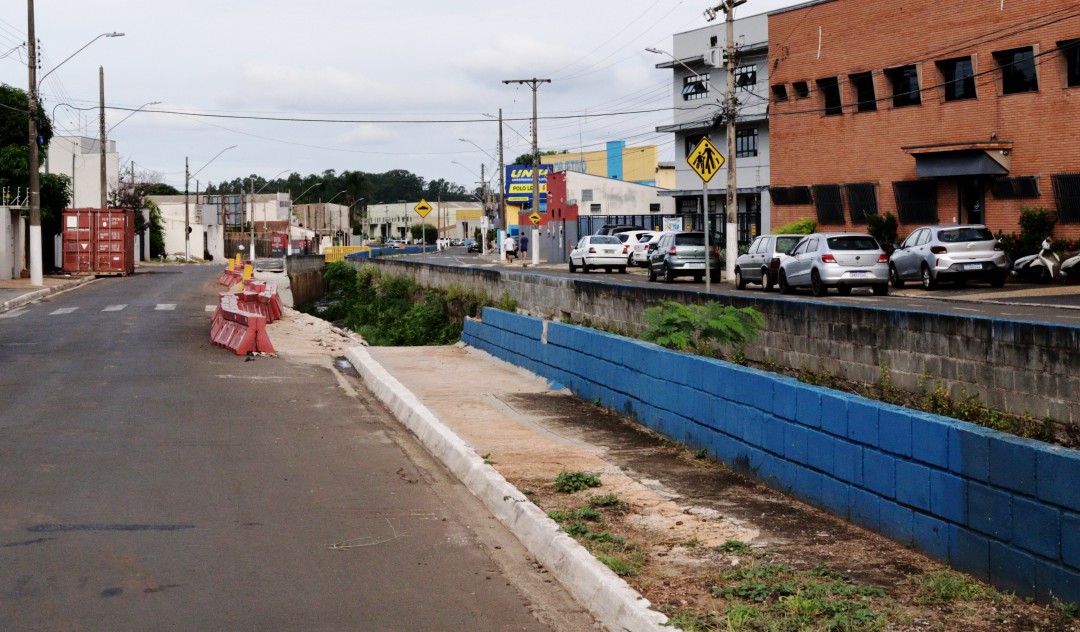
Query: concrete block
784,398
763,389
879,473
1058,473
750,424
819,450
894,430
913,485
1052,582
834,497
773,438
896,522
808,406
930,439
863,421
1012,463
969,552
865,508
1037,528
931,536
989,511
834,413
1070,540
807,485
1012,570
948,496
848,462
795,443
969,451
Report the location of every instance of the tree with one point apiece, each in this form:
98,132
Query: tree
430,233
157,230
523,159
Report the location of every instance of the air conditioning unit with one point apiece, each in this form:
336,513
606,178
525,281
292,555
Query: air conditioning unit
715,57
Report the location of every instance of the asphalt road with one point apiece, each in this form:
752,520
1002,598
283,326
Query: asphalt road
149,480
1055,303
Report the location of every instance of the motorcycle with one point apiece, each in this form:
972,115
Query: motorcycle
1070,267
1045,266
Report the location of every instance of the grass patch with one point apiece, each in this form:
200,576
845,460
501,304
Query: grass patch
736,547
570,482
946,587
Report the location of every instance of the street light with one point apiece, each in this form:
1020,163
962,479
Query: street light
131,114
187,215
466,140
275,177
36,276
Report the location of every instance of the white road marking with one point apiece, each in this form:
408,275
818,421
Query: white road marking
114,308
968,309
62,311
15,313
210,308
165,307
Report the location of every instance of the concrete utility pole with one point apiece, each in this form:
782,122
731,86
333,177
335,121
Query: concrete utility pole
731,110
502,178
187,214
36,276
535,85
101,117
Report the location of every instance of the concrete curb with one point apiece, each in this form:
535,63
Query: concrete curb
605,594
35,295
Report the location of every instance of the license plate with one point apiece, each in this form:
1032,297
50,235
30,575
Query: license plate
973,266
608,252
858,273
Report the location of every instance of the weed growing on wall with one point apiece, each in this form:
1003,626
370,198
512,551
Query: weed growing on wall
701,327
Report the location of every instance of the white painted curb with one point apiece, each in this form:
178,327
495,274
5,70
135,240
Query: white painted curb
610,599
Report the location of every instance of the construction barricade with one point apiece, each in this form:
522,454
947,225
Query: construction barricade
239,322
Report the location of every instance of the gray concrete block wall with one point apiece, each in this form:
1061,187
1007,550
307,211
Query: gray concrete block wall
1022,368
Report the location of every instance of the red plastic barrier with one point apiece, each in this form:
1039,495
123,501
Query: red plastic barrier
237,329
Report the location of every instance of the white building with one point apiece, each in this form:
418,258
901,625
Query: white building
699,81
211,216
454,220
79,158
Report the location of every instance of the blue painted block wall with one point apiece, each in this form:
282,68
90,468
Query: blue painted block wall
1004,509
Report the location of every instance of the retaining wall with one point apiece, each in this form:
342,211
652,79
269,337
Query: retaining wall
1003,509
305,278
1018,367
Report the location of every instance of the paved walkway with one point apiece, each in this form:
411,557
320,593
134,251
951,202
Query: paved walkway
15,293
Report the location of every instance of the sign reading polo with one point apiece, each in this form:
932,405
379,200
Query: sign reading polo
519,184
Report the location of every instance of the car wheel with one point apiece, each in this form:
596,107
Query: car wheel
669,276
714,277
740,282
928,280
630,260
766,280
573,268
621,269
998,280
843,290
652,274
881,289
817,287
585,267
894,278
784,287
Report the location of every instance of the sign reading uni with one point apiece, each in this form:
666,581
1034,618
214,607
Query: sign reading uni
422,209
705,160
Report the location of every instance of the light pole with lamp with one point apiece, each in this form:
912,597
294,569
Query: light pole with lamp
36,276
351,218
323,212
187,215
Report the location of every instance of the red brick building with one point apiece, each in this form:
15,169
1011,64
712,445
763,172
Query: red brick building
959,111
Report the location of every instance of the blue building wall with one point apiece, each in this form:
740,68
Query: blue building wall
615,150
1003,509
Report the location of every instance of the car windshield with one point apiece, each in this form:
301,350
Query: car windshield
605,239
784,244
970,233
690,239
852,242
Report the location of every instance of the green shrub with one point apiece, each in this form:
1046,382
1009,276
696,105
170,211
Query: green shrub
800,227
883,228
681,327
570,482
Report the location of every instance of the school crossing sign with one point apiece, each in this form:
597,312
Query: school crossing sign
705,160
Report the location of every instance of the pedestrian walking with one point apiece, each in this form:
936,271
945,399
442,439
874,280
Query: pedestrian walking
524,247
508,247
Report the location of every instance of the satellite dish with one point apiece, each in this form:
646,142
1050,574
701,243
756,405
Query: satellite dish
571,202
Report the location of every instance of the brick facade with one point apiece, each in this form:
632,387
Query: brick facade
1033,134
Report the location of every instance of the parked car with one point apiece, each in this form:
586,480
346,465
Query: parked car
840,260
640,252
762,260
394,243
956,253
630,239
598,251
614,229
682,253
471,245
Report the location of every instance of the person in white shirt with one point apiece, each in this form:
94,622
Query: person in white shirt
509,247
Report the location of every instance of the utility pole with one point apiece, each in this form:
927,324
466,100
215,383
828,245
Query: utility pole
36,277
731,108
535,85
101,117
187,213
251,217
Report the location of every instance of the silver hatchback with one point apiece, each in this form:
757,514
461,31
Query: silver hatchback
957,253
840,260
761,262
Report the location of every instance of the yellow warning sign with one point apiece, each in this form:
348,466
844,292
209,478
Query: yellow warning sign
535,217
705,160
423,208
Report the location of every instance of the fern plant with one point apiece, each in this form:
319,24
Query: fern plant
681,327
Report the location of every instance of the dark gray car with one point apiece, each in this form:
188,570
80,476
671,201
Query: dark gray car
762,260
682,253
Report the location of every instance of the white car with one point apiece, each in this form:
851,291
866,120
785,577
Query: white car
598,251
631,239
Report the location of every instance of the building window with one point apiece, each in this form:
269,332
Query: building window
802,89
712,42
1017,70
1070,50
829,204
1067,197
957,78
692,141
594,208
861,200
830,92
916,201
695,87
746,77
746,142
586,195
905,86
654,207
863,84
790,195
1015,188
688,206
779,92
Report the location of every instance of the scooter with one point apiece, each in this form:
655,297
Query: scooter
1070,268
1044,266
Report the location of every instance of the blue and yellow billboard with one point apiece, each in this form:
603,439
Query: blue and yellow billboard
519,184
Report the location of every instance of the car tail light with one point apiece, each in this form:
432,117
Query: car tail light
672,251
592,250
775,263
625,249
938,250
883,258
828,258
999,246
716,250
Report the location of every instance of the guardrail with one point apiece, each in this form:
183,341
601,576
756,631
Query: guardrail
337,253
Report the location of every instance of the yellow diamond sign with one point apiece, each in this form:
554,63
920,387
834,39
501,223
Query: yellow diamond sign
423,208
535,217
705,160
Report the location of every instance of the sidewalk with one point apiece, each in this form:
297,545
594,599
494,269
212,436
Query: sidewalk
15,293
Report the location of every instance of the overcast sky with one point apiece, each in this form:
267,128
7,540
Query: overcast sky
403,61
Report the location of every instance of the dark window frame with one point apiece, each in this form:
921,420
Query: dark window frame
829,204
1067,197
954,87
861,196
654,207
695,87
862,84
791,196
801,88
1015,187
904,83
1070,54
916,201
746,76
831,100
1018,70
746,142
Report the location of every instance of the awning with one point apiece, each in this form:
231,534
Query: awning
961,159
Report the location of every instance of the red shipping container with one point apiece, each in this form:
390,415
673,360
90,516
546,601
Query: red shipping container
99,241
